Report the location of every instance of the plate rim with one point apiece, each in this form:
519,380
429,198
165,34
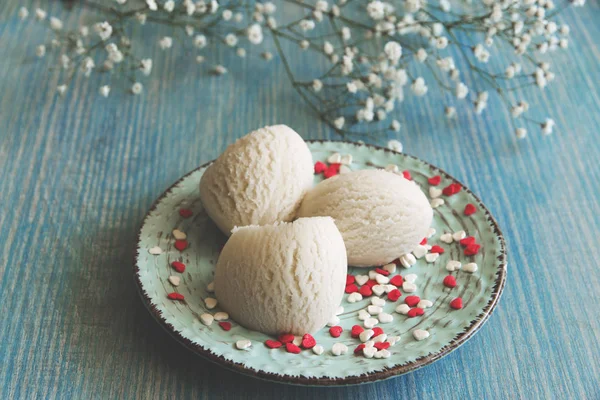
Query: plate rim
368,377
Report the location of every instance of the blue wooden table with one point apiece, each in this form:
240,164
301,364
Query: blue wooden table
78,173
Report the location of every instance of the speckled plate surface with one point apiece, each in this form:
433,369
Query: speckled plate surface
448,328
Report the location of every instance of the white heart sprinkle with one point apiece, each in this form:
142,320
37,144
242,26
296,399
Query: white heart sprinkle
432,257
346,159
409,287
459,235
425,304
338,349
383,354
374,310
344,169
155,250
377,301
221,316
372,274
363,315
419,251
210,287
361,279
380,338
340,310
297,340
453,265
408,260
389,288
369,343
334,321
470,267
434,192
243,344
335,158
369,352
391,268
385,318
392,340
410,278
178,235
175,280
391,168
207,319
447,238
370,322
210,303
354,297
430,232
366,335
435,203
318,349
378,290
420,334
382,279
403,309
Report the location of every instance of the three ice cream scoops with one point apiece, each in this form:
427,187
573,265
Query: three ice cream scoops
284,266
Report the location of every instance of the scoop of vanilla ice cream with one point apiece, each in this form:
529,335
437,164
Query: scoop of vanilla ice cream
380,214
283,278
260,179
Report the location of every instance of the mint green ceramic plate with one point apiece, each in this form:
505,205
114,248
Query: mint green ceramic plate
448,328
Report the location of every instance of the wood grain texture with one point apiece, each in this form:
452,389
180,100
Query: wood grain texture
77,175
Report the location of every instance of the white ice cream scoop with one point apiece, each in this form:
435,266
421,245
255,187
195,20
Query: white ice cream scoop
260,179
380,214
283,278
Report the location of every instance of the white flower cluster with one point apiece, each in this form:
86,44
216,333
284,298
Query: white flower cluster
368,45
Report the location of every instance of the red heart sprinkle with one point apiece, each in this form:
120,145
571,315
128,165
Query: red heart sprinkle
470,209
286,338
359,348
335,331
377,331
351,288
394,295
366,291
273,344
457,303
320,167
397,280
175,296
452,189
423,242
178,266
332,170
356,331
381,345
181,245
434,180
350,279
436,249
371,282
472,249
225,325
406,175
382,271
308,342
467,241
450,281
185,213
292,348
412,301
415,312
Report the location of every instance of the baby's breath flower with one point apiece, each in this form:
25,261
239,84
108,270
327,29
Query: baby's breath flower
317,85
104,90
328,48
441,42
521,133
87,66
418,87
121,2
339,122
304,44
61,89
393,51
322,6
137,88
255,35
219,70
238,17
267,55
199,59
141,18
152,6
376,10
269,8
169,6
166,42
346,33
84,31
40,51
317,15
189,30
146,66
395,125
241,52
548,126
461,90
227,14
104,30
421,55
450,112
231,40
200,41
23,13
40,14
481,53
307,25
